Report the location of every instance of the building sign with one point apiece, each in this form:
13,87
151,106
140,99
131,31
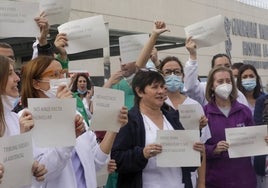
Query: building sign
238,27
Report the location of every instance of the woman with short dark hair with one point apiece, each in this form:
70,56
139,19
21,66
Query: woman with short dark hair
135,148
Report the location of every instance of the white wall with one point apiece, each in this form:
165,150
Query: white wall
138,15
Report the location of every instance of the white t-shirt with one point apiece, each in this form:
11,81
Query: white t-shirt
159,177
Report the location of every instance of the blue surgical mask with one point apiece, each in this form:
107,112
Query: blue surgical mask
174,83
81,92
249,84
13,101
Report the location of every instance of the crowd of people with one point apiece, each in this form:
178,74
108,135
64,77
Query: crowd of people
153,89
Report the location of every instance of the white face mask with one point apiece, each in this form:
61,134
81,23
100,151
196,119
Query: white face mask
224,90
50,93
150,64
53,86
129,79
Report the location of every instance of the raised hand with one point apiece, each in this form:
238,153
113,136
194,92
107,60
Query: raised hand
42,23
191,47
160,27
61,41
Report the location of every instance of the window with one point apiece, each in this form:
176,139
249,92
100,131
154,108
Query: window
256,3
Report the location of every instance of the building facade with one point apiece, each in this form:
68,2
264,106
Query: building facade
246,25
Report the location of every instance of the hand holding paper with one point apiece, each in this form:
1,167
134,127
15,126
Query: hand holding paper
123,118
43,25
39,171
199,146
60,43
26,121
203,122
266,139
191,47
79,125
221,147
151,150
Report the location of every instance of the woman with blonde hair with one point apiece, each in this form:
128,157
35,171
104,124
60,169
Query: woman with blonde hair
70,166
223,111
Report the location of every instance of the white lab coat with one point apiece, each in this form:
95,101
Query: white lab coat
92,159
59,164
13,128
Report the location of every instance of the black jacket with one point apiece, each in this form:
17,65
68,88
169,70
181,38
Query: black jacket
260,118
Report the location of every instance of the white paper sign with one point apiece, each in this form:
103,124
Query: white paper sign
208,32
57,11
246,141
53,121
17,157
130,47
94,67
17,19
107,104
190,115
177,148
85,34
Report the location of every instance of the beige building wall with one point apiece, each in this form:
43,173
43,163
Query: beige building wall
139,15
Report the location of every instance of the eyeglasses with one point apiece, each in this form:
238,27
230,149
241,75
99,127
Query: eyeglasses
168,72
54,74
